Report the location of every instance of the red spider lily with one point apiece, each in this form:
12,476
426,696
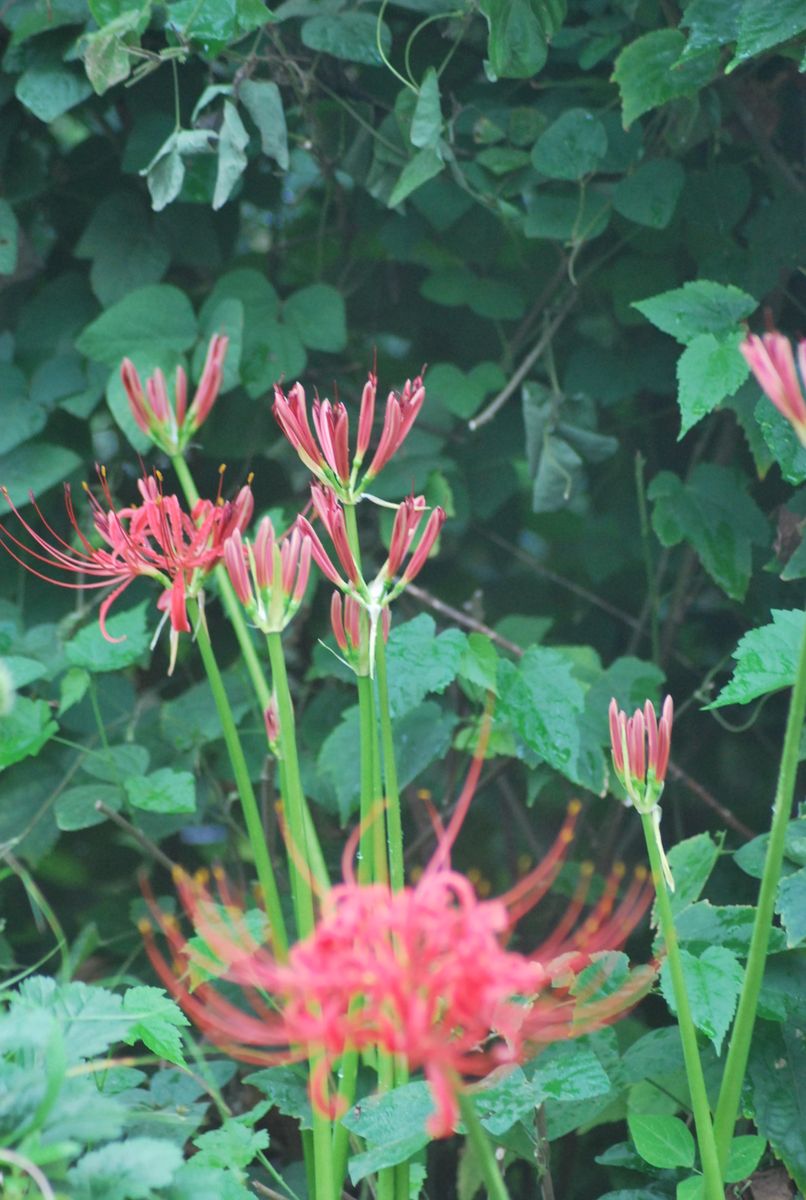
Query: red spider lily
771,360
156,538
270,575
327,454
172,426
423,973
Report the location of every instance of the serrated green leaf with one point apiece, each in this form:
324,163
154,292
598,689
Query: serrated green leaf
703,925
92,651
714,514
153,319
713,982
698,307
782,441
91,1019
711,23
128,1170
662,1141
479,663
777,1075
763,26
24,730
393,1126
571,147
232,1145
708,370
649,195
569,1072
163,791
649,72
692,862
287,1089
766,659
791,906
157,1021
419,661
317,315
542,700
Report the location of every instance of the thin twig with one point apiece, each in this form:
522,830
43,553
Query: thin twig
711,801
462,618
523,370
150,847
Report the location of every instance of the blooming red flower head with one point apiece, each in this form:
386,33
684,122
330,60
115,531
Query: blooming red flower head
156,538
424,973
269,575
171,426
325,450
772,361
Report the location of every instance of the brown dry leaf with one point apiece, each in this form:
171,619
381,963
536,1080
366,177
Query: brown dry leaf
771,1185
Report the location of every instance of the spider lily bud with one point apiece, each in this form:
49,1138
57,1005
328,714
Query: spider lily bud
269,576
640,748
352,631
172,426
771,360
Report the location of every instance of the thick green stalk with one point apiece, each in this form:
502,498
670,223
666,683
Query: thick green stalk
228,597
251,812
371,848
739,1047
482,1148
295,806
712,1177
327,1187
394,827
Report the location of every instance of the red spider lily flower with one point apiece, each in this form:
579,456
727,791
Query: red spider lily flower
327,454
171,426
156,538
640,748
270,575
771,360
351,629
424,973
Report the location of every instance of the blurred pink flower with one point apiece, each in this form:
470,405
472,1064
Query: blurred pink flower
423,973
171,426
327,454
156,538
772,361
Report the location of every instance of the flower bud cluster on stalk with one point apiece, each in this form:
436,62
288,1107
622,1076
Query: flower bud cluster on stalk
640,749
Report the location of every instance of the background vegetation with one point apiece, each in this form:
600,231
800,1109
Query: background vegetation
566,213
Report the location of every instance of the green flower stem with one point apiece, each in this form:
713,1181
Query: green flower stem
295,807
251,812
228,597
739,1048
482,1148
394,831
371,847
327,1184
712,1176
341,1135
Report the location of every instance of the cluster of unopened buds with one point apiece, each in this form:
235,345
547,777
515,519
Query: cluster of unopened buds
772,361
640,749
269,575
171,426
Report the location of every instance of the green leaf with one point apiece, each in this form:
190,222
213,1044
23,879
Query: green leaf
48,88
9,236
479,663
165,174
568,1072
263,102
711,23
542,700
107,59
35,467
157,1021
420,662
127,251
704,925
91,1019
763,26
791,905
697,308
649,73
649,195
713,982
751,857
662,1141
152,319
766,659
349,35
24,731
714,514
192,1182
163,791
232,1145
425,165
91,650
692,862
494,298
426,123
316,314
783,442
463,393
744,1156
571,147
517,45
287,1089
128,1170
232,142
75,808
576,216
708,370
22,670
562,1116
393,1126
114,764
777,1074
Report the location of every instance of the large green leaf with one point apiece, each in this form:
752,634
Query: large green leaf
649,73
420,661
777,1074
662,1141
92,651
392,1125
24,730
697,308
708,370
517,45
762,26
350,35
128,1170
316,314
152,319
766,659
571,147
542,700
713,982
